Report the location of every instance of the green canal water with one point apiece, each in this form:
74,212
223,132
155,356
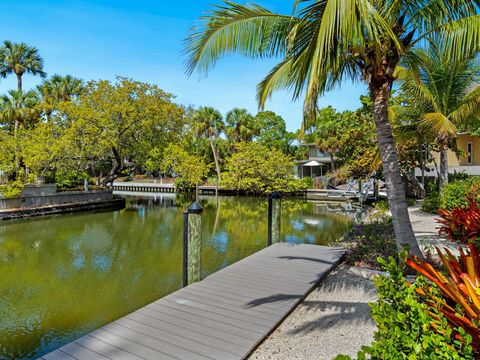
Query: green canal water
64,276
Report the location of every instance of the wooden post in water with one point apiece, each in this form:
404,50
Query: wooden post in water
192,244
274,217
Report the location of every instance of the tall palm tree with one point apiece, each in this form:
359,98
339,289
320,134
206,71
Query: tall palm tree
326,42
447,94
60,88
18,108
208,123
18,59
240,126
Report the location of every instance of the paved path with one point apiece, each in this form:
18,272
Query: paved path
425,228
225,316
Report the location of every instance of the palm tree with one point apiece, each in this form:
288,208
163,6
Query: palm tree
447,95
18,108
325,42
240,126
18,59
60,88
208,123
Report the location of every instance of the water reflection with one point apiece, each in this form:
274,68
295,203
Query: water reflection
64,276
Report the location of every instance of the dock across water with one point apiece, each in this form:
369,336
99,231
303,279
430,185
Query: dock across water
225,316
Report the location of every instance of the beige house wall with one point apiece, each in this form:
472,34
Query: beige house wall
462,141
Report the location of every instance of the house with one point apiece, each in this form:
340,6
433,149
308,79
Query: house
468,161
317,164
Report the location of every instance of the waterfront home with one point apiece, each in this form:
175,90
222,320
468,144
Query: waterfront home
317,164
466,159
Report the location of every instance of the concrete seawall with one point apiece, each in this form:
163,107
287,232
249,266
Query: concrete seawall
58,203
68,197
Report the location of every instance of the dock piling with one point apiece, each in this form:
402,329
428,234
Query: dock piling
192,244
274,217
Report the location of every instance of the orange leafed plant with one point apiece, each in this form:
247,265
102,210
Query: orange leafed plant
462,224
460,286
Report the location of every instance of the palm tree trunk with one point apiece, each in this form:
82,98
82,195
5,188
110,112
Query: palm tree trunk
404,234
217,165
443,172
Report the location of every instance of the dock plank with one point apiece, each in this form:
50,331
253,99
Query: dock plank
225,316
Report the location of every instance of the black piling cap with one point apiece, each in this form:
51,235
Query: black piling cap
275,195
195,208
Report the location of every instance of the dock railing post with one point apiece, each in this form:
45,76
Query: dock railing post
274,217
192,244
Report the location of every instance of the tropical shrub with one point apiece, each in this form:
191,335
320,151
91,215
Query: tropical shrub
457,176
14,188
255,168
366,242
455,194
65,179
459,296
407,326
462,224
190,169
431,203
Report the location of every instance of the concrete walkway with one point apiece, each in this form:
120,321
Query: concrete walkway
426,230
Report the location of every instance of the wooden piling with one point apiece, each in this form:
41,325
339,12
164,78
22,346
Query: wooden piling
274,217
192,244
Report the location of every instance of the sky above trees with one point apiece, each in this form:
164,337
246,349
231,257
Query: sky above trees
143,40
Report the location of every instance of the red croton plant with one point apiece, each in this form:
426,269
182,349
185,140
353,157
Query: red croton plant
460,285
462,224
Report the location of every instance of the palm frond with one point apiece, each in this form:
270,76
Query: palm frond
250,30
438,124
468,107
344,23
460,37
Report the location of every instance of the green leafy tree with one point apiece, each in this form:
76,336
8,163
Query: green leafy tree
115,125
240,126
446,94
325,42
273,132
255,168
349,136
208,123
190,169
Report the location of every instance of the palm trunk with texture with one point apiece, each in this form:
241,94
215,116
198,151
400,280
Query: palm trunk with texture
443,172
395,188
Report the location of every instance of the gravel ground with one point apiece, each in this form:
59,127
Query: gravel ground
333,319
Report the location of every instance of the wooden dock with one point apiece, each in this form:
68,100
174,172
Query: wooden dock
135,186
225,316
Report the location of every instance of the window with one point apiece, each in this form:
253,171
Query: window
469,153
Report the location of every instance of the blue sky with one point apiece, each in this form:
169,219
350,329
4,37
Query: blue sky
143,40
